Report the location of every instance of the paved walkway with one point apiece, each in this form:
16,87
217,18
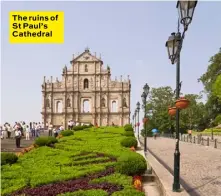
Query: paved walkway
200,166
8,145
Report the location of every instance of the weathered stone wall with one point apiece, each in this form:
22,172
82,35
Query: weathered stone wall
86,80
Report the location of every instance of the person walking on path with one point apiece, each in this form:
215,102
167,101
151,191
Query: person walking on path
50,128
18,136
27,133
10,130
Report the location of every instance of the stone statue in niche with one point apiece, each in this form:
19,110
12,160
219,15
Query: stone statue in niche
92,83
124,102
47,103
103,102
75,82
68,102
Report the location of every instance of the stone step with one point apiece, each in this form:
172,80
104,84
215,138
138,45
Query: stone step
148,178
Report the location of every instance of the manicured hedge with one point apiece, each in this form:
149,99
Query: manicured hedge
82,127
129,134
67,133
8,158
45,141
129,142
128,127
131,164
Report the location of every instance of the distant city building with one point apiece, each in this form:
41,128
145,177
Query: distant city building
86,94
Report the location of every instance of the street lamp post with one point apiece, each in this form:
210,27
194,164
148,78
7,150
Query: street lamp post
135,123
174,46
146,89
138,123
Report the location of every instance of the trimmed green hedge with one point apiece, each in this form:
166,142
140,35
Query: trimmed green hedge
79,128
45,141
8,158
128,127
129,142
129,134
131,164
67,133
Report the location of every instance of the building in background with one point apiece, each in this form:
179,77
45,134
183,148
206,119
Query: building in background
86,94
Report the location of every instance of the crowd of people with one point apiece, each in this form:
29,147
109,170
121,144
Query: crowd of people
27,131
21,130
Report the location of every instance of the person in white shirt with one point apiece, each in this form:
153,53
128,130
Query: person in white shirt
10,130
18,138
27,133
61,128
50,128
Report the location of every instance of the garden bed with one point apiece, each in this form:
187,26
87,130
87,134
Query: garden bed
84,160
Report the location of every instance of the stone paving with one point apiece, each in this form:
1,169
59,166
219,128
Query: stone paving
8,145
200,166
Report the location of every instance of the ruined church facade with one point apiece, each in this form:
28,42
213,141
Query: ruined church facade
86,94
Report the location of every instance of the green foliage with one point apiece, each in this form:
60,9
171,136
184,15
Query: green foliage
128,127
82,127
218,120
45,141
129,142
72,157
217,87
133,164
129,134
211,80
95,192
67,133
8,158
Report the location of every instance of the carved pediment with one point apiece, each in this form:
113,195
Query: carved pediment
86,56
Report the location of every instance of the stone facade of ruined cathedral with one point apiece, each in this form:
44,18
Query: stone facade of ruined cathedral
86,94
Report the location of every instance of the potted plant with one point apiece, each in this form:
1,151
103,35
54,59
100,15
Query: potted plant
172,111
145,120
182,103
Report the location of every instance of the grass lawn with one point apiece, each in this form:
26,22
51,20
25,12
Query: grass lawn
78,165
208,132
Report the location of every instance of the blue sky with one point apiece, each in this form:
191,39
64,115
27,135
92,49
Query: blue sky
130,36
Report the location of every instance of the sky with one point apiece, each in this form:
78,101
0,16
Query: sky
130,36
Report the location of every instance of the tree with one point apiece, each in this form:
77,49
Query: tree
217,87
159,101
192,116
211,82
213,71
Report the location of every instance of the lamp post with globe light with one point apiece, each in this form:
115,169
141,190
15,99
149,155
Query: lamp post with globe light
174,45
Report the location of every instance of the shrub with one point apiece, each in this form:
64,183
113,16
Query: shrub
217,120
129,142
131,164
45,141
128,127
129,133
8,158
79,127
67,133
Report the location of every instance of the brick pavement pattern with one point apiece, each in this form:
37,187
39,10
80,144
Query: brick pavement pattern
200,166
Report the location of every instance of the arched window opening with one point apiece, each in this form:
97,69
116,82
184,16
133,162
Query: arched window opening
86,83
86,106
68,102
124,102
114,106
103,102
85,68
47,103
59,107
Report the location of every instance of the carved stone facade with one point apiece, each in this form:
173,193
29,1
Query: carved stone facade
86,83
